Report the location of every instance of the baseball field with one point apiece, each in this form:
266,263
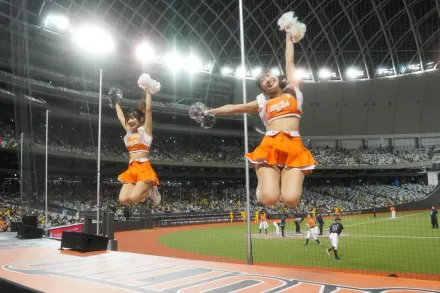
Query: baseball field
405,246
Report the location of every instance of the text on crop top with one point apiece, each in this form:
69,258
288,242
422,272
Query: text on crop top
138,141
287,104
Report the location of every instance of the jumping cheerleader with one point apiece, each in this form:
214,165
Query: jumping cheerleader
281,161
140,180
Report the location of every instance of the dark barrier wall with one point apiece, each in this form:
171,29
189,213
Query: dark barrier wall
399,105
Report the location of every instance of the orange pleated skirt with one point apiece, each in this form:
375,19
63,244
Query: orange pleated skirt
284,151
139,172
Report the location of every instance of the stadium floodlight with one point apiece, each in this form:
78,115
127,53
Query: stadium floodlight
353,73
256,71
382,71
302,74
226,70
324,73
93,39
299,73
208,67
145,52
58,21
275,71
240,72
174,61
385,71
429,66
193,64
414,68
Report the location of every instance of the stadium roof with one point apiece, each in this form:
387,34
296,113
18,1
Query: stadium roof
399,35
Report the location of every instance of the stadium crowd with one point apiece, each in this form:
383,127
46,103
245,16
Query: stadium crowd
174,150
67,199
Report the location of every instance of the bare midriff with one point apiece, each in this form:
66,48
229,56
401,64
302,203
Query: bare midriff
138,155
284,124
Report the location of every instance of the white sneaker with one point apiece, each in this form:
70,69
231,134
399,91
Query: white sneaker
257,192
154,195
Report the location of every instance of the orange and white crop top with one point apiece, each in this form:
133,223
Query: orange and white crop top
284,105
138,141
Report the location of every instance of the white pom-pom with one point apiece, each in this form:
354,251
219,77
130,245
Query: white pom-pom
285,21
145,81
289,23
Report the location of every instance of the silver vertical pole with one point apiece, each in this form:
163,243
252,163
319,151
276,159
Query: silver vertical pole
98,176
46,170
21,173
248,206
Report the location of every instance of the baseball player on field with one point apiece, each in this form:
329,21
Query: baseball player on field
393,212
335,230
276,223
263,222
311,230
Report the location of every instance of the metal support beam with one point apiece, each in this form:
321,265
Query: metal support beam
327,37
385,34
437,6
367,71
416,36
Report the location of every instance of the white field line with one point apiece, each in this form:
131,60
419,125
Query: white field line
386,219
395,236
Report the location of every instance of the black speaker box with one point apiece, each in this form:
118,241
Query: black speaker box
9,286
29,232
30,221
83,242
14,226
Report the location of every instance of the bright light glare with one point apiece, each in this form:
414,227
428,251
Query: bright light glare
59,21
354,73
302,74
275,71
174,61
144,52
226,70
324,73
208,67
256,71
193,64
240,72
414,67
93,39
385,71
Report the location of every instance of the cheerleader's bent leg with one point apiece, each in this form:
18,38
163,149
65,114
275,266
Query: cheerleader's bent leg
269,184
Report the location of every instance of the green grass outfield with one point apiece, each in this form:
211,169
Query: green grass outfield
405,244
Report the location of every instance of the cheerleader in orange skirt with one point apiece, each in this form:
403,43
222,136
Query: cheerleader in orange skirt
281,161
139,180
